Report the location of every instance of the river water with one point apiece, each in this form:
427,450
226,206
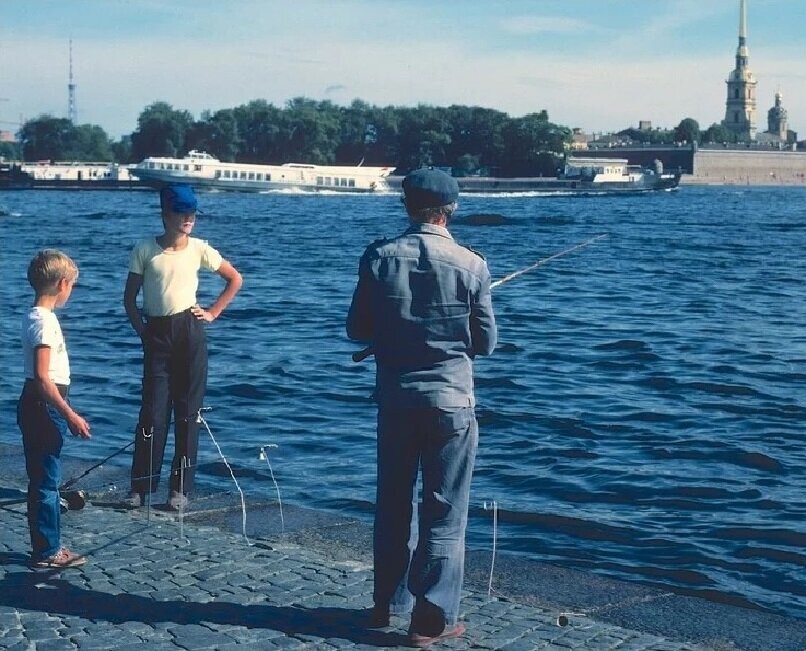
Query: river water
643,416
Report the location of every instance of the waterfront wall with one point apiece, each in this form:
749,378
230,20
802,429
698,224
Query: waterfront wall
753,167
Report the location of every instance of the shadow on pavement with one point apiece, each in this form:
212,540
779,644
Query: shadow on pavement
38,592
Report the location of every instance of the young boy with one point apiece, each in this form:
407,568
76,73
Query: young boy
171,327
43,412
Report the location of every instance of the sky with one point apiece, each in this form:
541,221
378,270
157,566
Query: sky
600,65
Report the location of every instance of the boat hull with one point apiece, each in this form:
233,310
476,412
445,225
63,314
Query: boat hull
158,178
553,185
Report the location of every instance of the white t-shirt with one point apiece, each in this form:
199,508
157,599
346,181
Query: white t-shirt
40,327
170,278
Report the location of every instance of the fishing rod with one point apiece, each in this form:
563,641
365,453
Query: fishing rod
74,500
361,355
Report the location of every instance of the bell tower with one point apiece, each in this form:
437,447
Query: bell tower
740,107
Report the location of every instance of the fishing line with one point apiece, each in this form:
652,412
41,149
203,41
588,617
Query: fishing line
361,355
200,419
563,619
494,507
264,455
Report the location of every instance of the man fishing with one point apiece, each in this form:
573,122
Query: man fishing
423,302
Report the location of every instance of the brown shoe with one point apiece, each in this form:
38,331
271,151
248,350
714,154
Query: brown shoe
62,559
177,501
424,641
134,500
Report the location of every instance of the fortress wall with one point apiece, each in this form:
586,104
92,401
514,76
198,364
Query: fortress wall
748,167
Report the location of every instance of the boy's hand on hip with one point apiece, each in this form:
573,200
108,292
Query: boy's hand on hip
201,314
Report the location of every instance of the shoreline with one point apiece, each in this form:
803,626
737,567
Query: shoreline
536,590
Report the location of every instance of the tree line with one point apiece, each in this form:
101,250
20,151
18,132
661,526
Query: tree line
468,139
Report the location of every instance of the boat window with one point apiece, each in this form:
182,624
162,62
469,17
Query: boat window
243,176
318,180
251,176
268,177
350,183
327,180
186,167
198,169
226,174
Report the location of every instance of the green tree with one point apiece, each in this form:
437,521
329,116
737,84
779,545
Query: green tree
687,131
88,142
532,145
10,151
160,131
216,134
719,133
45,138
260,128
476,138
313,130
122,150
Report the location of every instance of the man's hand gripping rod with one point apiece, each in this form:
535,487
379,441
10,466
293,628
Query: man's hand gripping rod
361,355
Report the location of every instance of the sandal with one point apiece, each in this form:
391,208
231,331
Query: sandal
63,558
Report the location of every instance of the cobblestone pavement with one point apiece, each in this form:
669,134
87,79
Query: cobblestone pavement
161,583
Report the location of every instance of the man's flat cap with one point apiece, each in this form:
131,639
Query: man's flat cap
429,188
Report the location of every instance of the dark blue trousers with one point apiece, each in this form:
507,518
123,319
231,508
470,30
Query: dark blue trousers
174,380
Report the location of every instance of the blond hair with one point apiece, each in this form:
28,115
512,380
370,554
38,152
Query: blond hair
47,268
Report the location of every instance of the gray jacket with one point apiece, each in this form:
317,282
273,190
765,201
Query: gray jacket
423,303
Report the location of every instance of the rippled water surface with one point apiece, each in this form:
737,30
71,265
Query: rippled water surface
642,417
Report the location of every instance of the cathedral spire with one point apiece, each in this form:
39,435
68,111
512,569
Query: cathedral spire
742,21
740,107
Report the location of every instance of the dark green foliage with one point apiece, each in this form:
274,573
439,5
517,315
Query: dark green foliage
687,131
719,133
10,151
470,140
49,138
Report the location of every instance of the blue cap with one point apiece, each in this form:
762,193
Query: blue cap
429,188
178,198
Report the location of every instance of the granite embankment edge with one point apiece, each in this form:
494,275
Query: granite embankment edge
580,596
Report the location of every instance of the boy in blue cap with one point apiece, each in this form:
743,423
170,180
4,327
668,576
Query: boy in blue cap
44,413
423,303
171,327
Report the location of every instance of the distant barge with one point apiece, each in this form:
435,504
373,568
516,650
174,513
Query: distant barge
581,176
45,175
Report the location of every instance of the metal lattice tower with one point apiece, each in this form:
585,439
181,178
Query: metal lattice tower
72,114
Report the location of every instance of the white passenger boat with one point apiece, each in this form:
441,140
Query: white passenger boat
204,171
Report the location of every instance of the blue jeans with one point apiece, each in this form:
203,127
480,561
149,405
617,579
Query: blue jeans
419,561
43,430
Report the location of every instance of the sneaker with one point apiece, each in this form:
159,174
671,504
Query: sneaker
177,501
63,558
424,641
134,500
